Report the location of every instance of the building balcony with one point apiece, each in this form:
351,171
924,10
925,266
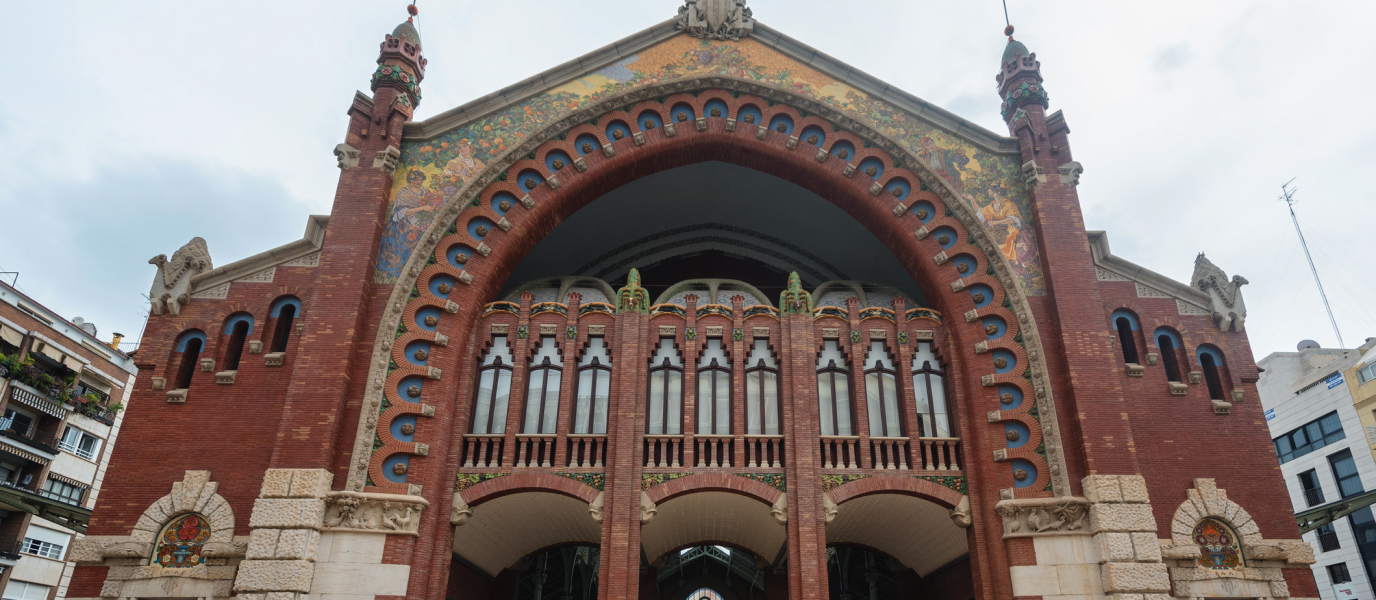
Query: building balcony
45,402
9,551
29,435
697,452
30,498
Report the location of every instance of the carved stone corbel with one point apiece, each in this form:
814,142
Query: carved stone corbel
960,515
595,507
346,156
647,509
780,509
829,508
388,160
1070,172
1033,174
460,514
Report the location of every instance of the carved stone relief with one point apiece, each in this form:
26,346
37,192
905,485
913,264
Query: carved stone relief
172,284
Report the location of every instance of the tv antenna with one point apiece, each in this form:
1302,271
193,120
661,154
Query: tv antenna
1288,195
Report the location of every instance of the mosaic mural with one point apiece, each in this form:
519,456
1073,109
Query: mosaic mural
181,542
434,170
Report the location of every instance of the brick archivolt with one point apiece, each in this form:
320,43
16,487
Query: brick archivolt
846,187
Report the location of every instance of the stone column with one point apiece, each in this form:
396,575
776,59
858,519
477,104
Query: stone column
286,522
1124,531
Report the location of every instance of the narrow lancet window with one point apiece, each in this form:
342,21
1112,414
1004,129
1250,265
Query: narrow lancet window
833,391
929,386
761,391
594,389
494,389
714,390
665,410
542,398
881,392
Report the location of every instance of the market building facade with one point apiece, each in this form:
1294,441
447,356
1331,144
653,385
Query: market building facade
705,312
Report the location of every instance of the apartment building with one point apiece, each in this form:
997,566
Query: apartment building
1322,444
62,393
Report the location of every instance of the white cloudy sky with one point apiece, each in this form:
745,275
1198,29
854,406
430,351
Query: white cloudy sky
127,128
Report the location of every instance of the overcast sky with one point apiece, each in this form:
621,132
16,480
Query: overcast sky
128,128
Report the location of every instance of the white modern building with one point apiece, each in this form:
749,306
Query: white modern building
1325,458
62,391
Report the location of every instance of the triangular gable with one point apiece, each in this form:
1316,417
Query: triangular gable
452,148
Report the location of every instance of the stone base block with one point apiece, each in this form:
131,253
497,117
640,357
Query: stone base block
1135,578
274,576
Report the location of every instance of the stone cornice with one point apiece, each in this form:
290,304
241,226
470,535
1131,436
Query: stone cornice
1104,259
606,55
307,245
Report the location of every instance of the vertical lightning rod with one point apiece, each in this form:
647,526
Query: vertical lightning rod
1289,197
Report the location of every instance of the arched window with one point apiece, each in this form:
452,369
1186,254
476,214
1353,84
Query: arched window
1170,358
542,398
1125,323
665,410
929,386
833,391
881,392
714,390
238,328
494,389
284,311
761,391
189,345
1211,362
594,388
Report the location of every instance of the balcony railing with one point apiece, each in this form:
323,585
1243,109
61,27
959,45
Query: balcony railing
10,547
587,451
484,451
535,450
712,451
30,435
889,452
1313,497
764,451
663,450
840,452
88,454
939,454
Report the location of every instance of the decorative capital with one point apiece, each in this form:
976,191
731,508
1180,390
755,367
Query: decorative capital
633,298
794,299
715,19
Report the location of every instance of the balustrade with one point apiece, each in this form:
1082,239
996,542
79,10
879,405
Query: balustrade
534,451
484,451
586,451
713,451
889,452
764,451
939,454
839,452
663,450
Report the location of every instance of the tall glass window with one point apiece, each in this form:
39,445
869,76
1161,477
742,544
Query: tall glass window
833,391
881,392
761,391
542,398
714,390
594,388
665,411
494,389
929,386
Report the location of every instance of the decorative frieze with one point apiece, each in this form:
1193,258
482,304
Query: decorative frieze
358,512
1044,516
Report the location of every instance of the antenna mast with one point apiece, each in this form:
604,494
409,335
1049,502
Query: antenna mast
1288,196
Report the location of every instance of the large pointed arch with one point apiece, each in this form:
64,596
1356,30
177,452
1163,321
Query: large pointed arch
558,194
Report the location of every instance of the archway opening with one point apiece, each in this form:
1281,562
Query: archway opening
713,220
906,543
